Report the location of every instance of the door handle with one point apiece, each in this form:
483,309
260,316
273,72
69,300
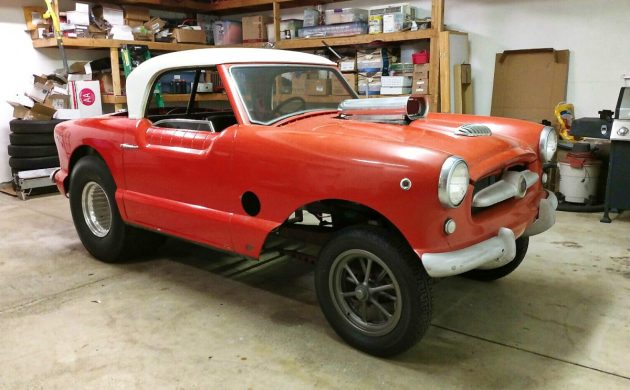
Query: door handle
128,146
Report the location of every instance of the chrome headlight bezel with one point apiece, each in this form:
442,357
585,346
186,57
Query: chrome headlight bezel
546,148
446,175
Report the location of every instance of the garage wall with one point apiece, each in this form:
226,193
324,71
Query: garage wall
594,31
19,62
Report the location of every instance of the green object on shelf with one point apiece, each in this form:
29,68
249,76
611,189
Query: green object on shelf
134,55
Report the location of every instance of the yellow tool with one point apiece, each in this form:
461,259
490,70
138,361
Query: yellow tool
564,115
51,14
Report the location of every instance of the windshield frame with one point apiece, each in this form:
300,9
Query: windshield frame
237,92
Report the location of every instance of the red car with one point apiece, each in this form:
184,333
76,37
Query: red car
391,195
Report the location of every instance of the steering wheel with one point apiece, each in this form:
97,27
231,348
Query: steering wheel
298,99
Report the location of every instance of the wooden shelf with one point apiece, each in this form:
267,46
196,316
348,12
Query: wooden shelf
298,43
98,43
309,43
242,6
122,99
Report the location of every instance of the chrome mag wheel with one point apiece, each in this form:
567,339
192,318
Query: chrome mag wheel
96,209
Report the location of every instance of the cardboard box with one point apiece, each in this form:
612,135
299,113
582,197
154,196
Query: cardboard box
395,90
86,97
136,13
347,64
155,25
528,84
396,81
375,60
133,23
33,16
421,71
368,85
298,85
420,86
187,35
339,89
255,28
106,82
318,87
57,101
19,111
41,88
40,112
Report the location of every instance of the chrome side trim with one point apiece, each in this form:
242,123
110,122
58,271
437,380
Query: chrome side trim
128,146
512,184
546,216
493,252
473,130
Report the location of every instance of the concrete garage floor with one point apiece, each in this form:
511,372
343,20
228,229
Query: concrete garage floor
193,318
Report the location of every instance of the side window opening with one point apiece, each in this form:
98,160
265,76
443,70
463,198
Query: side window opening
174,103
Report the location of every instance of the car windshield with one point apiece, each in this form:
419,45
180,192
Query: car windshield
273,92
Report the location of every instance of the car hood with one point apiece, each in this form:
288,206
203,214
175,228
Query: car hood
483,154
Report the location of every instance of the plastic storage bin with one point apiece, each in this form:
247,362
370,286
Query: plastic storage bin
227,32
334,30
345,15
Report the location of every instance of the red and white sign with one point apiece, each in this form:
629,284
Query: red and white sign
86,97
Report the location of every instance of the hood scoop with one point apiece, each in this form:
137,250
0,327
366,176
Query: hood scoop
473,130
385,110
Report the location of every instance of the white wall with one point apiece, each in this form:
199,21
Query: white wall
596,33
19,62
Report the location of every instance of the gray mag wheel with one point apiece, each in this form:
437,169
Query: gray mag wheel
373,290
365,292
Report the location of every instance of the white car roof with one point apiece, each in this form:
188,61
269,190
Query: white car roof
142,78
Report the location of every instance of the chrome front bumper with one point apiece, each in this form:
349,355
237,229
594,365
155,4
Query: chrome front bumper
494,252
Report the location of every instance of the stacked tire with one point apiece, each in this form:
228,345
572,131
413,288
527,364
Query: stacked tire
32,145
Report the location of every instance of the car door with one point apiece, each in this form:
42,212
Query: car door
177,181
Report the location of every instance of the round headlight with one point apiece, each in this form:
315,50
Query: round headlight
548,143
453,183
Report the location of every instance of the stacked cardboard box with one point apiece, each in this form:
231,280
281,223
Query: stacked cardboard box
60,96
255,28
420,80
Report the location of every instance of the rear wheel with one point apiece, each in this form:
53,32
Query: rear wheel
522,243
373,290
96,216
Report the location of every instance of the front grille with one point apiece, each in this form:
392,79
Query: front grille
490,180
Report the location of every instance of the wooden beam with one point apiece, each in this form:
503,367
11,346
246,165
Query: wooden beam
437,15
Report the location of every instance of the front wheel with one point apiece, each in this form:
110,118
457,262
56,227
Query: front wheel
96,216
373,290
486,275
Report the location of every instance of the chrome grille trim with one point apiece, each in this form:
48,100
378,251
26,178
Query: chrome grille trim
473,130
512,184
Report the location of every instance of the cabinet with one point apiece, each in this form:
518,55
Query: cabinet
240,6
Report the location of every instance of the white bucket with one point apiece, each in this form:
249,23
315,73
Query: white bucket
578,185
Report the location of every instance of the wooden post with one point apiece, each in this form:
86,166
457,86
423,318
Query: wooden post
114,58
277,18
434,73
437,15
